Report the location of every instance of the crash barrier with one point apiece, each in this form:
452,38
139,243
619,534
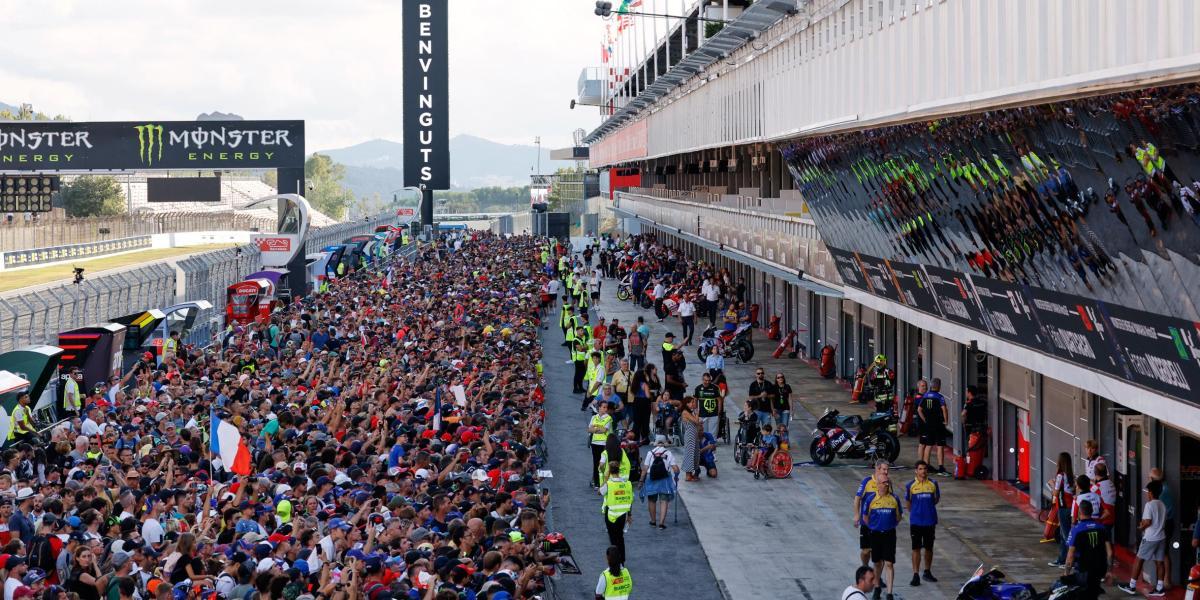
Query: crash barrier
37,256
335,234
50,232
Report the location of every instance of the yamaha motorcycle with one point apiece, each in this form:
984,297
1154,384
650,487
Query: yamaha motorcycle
990,585
853,437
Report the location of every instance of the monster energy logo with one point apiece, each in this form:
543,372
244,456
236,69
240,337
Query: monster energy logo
150,138
1094,538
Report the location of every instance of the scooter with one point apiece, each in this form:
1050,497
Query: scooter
990,585
734,344
852,437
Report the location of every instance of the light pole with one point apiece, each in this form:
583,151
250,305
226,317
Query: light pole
537,140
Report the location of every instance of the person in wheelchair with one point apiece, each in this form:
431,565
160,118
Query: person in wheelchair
666,414
768,443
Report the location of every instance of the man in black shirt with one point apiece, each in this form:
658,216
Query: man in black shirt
708,396
762,393
1088,550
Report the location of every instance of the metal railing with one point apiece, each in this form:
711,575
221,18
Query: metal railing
206,277
22,235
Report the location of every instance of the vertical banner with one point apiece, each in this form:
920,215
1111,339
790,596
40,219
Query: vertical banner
426,83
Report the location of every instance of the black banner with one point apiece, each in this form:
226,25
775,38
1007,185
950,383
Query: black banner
1161,353
848,268
1008,312
183,189
1074,331
956,298
426,91
879,277
914,287
56,145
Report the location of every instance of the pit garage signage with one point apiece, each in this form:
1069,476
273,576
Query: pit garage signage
142,145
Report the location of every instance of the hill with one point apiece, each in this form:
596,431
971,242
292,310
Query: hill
376,166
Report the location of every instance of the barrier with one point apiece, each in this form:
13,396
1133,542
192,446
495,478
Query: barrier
38,256
205,277
49,232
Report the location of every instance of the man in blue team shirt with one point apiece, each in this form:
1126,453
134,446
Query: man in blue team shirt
921,496
1088,549
862,499
883,516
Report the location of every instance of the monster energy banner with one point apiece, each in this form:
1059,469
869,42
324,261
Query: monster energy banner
50,146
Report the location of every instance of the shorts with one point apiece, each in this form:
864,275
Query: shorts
864,537
933,434
1152,549
922,536
883,546
665,497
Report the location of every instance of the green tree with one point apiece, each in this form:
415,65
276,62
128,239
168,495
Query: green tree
327,193
93,196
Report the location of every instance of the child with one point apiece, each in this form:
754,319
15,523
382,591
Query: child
767,446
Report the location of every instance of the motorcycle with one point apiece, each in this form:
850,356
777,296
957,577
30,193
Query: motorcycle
670,304
734,343
625,288
852,437
990,585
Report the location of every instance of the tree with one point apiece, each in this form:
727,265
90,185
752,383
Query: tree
327,193
93,195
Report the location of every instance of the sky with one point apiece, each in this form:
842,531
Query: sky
513,65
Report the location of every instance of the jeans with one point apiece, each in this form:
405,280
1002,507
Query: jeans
710,424
785,417
764,417
1064,531
689,328
637,362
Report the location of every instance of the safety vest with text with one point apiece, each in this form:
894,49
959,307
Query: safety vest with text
618,498
604,421
617,587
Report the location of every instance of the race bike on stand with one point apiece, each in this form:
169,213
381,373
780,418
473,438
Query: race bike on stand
852,437
990,585
729,344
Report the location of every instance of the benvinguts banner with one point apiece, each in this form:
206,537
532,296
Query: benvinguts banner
55,145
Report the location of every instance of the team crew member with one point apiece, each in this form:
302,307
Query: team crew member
580,358
864,581
599,427
708,395
921,496
1093,458
862,498
615,582
72,401
934,415
22,419
883,516
1088,549
1154,541
618,499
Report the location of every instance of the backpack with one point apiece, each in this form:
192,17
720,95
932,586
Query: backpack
635,341
658,468
41,554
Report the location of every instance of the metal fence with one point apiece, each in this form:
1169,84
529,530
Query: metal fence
206,277
36,316
22,235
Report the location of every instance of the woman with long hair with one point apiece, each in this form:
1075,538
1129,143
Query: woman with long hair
1060,493
692,426
85,575
642,391
615,581
613,453
188,565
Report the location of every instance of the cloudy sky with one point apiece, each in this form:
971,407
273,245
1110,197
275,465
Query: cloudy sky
513,65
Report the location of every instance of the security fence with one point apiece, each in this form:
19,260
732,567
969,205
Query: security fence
20,234
36,316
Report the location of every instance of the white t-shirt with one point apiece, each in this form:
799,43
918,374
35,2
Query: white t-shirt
10,586
668,459
853,593
89,428
152,531
1155,512
1089,465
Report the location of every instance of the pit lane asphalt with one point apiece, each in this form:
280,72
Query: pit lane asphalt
668,563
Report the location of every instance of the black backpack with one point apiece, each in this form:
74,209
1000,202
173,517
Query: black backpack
41,554
658,468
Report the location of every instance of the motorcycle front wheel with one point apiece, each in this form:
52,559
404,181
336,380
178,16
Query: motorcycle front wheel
702,352
745,351
886,445
820,455
623,294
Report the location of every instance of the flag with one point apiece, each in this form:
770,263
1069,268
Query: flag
227,442
437,409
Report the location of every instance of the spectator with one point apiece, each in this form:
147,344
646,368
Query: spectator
864,581
1154,541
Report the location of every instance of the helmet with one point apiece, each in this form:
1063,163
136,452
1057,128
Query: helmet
879,358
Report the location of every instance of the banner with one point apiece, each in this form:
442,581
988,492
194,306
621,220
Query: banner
142,145
52,254
426,104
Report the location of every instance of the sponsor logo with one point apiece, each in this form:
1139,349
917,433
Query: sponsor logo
150,139
275,244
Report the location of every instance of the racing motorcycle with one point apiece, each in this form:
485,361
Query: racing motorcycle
735,344
990,585
852,437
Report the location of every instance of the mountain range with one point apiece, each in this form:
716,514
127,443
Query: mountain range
376,166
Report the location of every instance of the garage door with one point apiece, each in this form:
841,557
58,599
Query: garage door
945,366
1066,413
